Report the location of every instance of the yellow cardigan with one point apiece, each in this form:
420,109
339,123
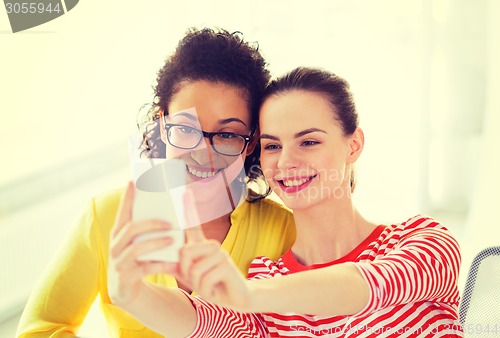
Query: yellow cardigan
60,301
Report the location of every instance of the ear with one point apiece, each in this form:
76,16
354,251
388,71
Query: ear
163,133
356,143
253,142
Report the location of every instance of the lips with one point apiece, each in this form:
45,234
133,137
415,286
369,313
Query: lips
294,184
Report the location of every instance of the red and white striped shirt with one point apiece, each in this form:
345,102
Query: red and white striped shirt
411,269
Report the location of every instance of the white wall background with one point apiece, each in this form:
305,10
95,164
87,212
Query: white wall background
424,74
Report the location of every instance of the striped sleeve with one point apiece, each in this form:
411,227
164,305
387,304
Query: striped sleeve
424,265
215,321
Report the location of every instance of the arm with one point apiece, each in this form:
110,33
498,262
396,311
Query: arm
62,297
336,290
159,308
429,258
167,311
423,266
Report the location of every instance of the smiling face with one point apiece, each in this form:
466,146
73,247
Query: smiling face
211,107
305,155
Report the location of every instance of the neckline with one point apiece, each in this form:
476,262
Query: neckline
294,266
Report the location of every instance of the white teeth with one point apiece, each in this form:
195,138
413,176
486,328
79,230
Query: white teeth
202,174
294,183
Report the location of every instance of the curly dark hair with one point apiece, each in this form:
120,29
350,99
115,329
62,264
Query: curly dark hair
215,55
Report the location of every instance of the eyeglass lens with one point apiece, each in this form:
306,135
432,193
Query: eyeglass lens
188,138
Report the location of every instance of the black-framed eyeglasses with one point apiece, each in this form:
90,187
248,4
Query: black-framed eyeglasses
225,143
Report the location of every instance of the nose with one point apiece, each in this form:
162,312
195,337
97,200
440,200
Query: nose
288,159
203,154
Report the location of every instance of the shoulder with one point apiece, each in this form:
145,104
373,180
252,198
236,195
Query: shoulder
421,231
267,207
422,222
109,199
262,211
415,225
262,228
104,206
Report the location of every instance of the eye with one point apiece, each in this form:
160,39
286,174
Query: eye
309,143
227,135
186,130
271,146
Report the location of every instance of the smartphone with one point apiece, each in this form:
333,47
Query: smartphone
160,195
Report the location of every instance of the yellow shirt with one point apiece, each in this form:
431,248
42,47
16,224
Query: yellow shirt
60,301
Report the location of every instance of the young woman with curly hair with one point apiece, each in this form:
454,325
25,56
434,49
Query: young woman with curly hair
210,87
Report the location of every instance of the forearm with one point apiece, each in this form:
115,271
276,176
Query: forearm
166,311
335,290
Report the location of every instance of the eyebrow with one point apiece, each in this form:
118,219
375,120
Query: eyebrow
223,121
232,119
297,135
189,116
